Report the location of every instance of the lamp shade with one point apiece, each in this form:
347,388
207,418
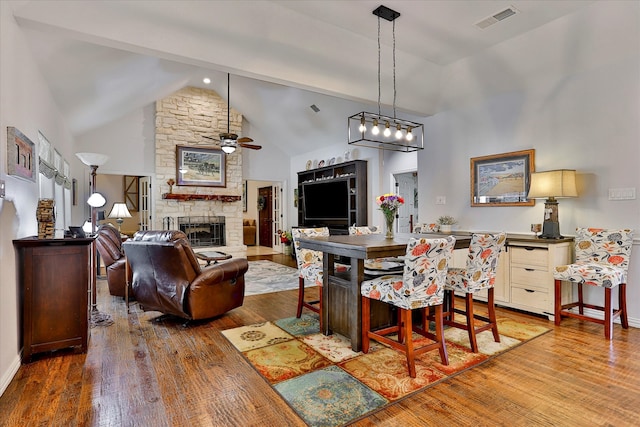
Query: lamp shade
96,200
553,184
92,159
119,210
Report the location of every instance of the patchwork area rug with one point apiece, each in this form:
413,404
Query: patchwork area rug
266,276
328,384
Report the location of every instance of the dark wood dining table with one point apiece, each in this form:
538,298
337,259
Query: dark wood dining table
341,301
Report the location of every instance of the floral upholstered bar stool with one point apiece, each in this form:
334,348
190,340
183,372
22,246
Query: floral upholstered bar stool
309,267
420,286
602,259
479,274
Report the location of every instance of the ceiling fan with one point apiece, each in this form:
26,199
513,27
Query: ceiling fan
229,141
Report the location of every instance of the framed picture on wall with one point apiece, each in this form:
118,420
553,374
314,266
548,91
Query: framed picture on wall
200,166
244,195
20,155
502,179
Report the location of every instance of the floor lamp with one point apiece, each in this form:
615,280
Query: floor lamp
95,160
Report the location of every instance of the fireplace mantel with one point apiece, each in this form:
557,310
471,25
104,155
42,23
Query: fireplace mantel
188,197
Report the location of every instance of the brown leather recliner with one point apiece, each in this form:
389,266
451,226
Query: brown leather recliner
109,245
167,277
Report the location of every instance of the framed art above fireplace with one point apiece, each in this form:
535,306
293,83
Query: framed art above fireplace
200,166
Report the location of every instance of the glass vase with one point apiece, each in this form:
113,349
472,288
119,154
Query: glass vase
389,219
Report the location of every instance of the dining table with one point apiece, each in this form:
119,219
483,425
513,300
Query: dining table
341,300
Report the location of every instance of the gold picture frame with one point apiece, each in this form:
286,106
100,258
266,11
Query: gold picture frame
201,166
502,179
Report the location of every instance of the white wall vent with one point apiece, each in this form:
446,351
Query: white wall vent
497,17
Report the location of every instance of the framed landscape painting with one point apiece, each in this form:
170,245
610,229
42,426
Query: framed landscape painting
200,166
502,179
20,155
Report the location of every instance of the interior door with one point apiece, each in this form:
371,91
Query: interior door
407,187
143,205
265,216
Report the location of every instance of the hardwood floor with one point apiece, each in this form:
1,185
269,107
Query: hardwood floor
146,372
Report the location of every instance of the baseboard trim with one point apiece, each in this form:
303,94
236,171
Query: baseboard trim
8,375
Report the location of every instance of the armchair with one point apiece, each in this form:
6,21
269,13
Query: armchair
109,245
167,277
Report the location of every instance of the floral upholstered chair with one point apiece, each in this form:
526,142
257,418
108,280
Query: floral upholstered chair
358,231
479,274
602,259
310,267
420,286
426,228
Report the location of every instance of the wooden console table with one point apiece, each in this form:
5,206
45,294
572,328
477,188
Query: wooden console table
54,287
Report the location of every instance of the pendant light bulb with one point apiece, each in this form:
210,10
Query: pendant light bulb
409,134
387,129
375,130
362,127
398,132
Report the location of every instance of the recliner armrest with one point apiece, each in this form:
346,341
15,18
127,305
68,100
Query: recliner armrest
222,272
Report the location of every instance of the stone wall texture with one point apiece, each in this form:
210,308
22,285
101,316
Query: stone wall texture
185,118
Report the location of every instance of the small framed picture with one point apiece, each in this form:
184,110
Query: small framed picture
20,155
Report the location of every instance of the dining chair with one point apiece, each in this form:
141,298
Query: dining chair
601,259
310,268
479,274
426,228
420,286
360,230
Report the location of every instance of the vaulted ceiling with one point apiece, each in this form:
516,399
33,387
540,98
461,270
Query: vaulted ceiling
104,59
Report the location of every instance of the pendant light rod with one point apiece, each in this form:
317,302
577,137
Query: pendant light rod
228,103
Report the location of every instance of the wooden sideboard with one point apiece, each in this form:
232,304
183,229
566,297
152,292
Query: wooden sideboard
54,287
524,279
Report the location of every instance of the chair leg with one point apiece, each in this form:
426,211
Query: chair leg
366,323
300,296
492,315
400,323
408,328
320,307
608,314
622,305
558,302
580,299
470,324
444,357
451,301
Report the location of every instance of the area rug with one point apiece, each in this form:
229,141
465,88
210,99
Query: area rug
266,276
328,384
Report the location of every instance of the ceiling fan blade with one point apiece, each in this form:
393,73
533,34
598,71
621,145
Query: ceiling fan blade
245,139
211,138
250,146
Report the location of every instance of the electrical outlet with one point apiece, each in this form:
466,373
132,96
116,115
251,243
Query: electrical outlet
1,188
441,200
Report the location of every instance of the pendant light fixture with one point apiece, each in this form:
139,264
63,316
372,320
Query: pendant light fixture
398,134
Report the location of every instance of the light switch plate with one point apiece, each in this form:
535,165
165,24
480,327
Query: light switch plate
622,193
1,188
441,200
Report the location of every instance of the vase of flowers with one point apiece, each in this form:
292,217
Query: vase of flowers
286,239
389,204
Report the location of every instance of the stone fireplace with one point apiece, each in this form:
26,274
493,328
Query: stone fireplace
185,118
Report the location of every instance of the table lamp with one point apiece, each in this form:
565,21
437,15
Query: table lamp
119,211
550,185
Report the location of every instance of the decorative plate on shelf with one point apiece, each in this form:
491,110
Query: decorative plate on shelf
331,161
321,163
309,164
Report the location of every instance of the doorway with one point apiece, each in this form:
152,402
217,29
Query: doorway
265,216
406,185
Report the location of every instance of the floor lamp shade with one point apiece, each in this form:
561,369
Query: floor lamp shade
552,185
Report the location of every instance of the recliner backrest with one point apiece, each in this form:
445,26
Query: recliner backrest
109,244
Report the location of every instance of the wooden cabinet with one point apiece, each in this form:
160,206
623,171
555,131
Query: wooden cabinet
531,271
524,279
333,196
54,287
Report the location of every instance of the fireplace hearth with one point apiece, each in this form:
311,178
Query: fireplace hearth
203,230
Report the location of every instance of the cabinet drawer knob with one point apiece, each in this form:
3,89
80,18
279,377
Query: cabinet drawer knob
529,290
529,269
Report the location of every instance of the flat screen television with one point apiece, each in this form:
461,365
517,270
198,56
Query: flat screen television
326,202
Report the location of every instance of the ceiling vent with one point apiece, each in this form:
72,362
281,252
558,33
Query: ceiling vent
495,18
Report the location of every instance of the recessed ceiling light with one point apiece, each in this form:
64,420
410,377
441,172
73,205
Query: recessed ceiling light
206,80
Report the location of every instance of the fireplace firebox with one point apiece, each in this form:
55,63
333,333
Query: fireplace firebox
203,230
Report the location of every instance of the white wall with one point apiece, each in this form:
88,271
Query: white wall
26,104
517,96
